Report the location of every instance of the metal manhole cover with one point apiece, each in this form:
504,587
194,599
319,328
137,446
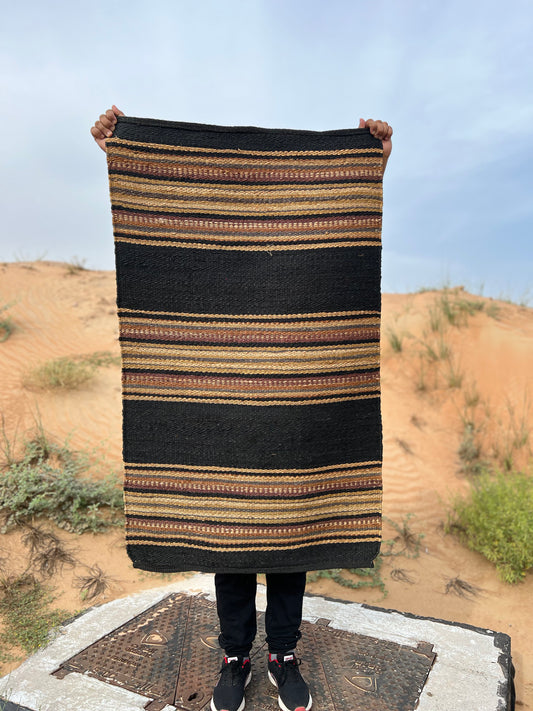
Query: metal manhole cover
170,654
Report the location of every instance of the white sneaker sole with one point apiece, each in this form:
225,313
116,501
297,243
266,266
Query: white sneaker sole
280,702
241,707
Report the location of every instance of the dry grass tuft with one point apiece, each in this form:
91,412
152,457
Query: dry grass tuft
472,397
395,339
68,372
435,351
76,265
36,538
48,555
51,560
402,576
462,588
421,381
11,583
96,583
59,374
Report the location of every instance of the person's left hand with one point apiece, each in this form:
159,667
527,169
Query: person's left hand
381,130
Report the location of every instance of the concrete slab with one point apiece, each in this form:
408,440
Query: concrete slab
451,666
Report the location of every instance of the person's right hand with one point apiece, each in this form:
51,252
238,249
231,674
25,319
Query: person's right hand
104,127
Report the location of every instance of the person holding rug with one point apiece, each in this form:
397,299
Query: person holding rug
103,129
235,592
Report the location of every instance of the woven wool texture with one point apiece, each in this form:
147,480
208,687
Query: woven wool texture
248,265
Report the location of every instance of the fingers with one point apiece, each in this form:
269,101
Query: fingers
379,129
103,128
97,133
106,123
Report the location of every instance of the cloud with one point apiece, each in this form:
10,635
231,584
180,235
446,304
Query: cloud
452,80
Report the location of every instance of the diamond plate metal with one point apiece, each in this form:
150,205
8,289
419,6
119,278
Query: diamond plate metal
170,654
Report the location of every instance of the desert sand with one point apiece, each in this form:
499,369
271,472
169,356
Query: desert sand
59,311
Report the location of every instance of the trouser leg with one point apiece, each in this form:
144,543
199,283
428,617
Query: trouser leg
283,617
236,612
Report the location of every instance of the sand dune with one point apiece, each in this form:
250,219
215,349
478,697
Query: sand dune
58,313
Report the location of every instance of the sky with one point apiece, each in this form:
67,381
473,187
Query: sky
454,80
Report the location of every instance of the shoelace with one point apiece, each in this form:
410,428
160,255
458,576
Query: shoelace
231,672
289,670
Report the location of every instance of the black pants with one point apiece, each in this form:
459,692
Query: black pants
237,613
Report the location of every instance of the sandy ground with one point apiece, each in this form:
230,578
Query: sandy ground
58,313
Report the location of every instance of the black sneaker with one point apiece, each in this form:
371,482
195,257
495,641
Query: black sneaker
293,693
228,694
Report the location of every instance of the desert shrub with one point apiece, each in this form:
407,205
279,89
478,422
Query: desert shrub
60,373
470,451
6,322
46,481
456,307
406,542
365,577
496,519
25,611
68,373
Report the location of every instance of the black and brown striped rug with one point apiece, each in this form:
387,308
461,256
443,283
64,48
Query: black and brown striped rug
248,264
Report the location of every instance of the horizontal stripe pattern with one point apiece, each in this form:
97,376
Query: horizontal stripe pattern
248,281
249,361
209,505
189,197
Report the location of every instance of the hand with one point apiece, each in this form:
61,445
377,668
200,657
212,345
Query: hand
104,127
381,130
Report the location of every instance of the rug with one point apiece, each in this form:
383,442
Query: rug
248,267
